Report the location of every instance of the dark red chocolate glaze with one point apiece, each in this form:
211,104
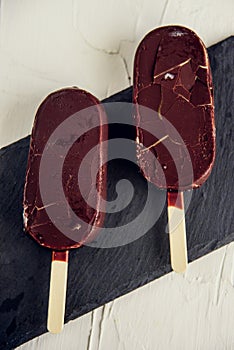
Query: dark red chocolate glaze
60,255
172,77
55,109
175,199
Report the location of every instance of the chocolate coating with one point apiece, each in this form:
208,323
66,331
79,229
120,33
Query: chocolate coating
172,77
53,111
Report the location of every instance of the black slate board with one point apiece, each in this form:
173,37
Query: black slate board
97,276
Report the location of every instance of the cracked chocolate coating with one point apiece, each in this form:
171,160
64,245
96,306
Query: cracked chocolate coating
55,109
172,77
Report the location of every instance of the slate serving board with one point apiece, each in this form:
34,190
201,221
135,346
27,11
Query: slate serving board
97,276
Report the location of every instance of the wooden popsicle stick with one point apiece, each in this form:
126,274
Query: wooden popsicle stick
177,231
58,287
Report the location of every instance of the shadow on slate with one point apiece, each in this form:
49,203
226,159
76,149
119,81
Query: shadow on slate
97,276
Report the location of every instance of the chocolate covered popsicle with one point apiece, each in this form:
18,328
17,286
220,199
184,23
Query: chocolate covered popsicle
68,124
172,77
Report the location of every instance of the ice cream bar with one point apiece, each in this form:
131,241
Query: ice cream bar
172,77
47,207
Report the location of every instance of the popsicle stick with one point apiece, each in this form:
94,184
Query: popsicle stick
58,287
177,231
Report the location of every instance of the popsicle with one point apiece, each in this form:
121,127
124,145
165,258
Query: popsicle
172,78
53,201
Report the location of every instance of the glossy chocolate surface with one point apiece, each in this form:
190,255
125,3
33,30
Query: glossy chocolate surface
172,77
53,111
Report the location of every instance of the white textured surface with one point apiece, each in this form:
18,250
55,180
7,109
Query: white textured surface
46,45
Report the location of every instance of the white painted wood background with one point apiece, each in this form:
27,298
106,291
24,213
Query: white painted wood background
49,44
